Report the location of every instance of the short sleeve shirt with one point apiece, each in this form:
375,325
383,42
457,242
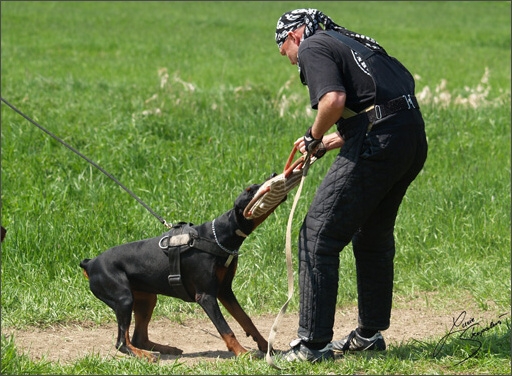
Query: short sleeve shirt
326,65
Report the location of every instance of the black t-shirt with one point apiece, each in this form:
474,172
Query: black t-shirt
327,65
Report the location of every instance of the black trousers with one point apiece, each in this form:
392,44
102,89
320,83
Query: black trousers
358,201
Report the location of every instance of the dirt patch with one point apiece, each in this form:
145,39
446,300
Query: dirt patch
418,319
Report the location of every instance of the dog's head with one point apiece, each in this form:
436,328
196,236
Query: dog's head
245,198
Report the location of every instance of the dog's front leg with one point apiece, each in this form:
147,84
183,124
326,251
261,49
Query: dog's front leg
209,303
228,300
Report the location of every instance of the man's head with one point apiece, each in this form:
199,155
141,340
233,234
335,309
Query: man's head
296,25
290,46
294,19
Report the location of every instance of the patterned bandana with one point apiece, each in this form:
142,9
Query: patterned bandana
312,18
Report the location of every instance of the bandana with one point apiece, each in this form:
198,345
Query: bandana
312,18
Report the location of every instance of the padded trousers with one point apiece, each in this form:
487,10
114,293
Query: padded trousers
358,201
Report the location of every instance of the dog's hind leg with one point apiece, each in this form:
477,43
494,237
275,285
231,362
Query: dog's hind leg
143,306
124,314
118,296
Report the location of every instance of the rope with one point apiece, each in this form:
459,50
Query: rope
289,267
91,162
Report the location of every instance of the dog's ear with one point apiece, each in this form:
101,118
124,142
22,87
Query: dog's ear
247,195
253,188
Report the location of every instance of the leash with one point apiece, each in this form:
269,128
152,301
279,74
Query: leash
289,266
163,221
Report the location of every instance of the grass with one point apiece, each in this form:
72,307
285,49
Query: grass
411,358
188,103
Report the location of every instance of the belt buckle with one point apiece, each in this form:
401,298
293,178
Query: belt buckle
378,112
408,100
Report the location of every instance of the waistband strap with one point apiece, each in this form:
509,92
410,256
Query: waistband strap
380,111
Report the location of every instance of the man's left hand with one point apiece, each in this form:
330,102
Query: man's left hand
311,143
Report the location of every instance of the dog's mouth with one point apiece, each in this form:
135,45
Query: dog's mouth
247,225
247,196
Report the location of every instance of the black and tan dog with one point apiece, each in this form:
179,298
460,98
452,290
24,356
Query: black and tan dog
129,277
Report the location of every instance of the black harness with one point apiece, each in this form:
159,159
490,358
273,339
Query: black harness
181,237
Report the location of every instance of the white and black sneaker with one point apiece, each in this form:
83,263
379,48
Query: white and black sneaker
355,342
299,352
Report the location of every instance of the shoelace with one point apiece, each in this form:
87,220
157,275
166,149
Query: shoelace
349,339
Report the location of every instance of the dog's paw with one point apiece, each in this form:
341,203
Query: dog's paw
162,349
170,350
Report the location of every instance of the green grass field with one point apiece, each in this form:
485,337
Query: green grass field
187,103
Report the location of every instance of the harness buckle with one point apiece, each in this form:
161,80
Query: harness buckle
378,112
408,100
174,279
160,242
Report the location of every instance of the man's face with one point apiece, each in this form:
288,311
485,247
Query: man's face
290,46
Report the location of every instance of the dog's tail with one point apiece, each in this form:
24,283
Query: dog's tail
83,265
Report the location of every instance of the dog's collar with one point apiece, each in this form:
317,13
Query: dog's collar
235,252
232,254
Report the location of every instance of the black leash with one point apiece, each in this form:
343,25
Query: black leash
163,221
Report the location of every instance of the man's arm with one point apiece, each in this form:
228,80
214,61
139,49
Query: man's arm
330,108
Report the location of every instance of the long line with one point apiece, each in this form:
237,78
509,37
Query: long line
88,160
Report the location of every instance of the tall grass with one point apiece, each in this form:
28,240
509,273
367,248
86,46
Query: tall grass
188,103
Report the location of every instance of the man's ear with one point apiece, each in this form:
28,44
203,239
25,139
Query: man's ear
295,37
297,34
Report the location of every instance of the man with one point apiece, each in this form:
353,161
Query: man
369,95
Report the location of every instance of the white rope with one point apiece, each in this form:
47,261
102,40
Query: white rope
288,248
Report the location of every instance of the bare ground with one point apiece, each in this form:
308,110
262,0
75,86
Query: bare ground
417,319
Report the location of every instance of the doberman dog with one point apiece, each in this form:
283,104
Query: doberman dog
129,277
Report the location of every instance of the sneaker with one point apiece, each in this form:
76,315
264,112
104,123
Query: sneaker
301,353
354,342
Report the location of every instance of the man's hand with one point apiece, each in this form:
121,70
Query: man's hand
314,146
329,142
311,143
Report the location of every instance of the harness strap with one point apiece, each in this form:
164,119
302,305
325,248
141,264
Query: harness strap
174,246
207,245
180,242
194,241
379,111
360,48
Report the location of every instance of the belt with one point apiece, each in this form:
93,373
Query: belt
380,111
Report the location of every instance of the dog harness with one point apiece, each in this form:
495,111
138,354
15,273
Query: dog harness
181,238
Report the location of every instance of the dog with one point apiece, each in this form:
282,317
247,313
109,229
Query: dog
129,277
